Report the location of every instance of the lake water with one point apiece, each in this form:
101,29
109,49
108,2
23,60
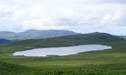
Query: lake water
61,51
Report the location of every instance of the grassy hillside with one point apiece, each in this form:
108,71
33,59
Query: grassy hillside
12,69
93,38
107,62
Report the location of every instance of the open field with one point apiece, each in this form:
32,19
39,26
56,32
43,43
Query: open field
100,61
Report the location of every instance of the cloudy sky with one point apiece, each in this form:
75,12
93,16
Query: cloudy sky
83,16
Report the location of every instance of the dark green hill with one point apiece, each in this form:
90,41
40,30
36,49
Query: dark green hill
72,39
91,38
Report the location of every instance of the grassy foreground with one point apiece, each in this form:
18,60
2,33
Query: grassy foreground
107,62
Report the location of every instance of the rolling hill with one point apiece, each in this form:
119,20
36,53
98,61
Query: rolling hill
71,39
106,62
34,34
91,38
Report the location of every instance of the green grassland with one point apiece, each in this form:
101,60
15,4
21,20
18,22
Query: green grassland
107,62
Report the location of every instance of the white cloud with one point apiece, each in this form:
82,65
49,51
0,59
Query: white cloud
76,15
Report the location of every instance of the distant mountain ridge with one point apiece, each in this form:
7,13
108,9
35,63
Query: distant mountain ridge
2,41
34,34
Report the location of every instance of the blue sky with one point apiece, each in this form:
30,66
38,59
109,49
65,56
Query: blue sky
83,16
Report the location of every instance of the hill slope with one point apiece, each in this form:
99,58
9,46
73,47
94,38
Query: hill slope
71,39
92,38
34,34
